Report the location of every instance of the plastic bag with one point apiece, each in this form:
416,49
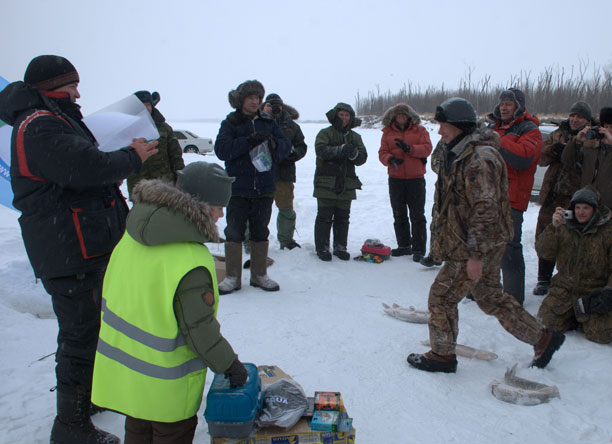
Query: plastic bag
284,403
261,157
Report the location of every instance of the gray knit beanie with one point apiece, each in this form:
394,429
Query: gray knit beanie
207,182
582,109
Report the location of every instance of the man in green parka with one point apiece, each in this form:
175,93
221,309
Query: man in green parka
169,157
579,239
159,330
339,149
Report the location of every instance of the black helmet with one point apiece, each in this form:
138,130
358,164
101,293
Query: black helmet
458,112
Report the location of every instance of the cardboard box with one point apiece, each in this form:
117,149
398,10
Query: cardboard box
220,269
301,433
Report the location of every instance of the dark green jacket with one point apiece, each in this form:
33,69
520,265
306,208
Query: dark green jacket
583,256
166,162
285,169
335,176
163,214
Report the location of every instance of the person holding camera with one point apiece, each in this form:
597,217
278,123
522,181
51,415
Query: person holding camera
579,239
591,156
560,181
404,148
339,150
284,172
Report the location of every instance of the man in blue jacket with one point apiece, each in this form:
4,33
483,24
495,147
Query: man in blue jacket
242,131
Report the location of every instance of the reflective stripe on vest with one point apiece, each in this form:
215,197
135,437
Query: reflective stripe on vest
143,366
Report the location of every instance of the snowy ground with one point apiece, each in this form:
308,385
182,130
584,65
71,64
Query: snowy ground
326,328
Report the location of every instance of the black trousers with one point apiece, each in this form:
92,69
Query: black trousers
140,431
256,210
409,195
513,262
76,303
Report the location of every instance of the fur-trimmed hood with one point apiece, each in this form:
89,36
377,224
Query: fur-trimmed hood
332,116
400,108
164,214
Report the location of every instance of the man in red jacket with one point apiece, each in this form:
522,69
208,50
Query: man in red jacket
521,147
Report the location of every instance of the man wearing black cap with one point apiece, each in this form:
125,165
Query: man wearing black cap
243,132
591,155
471,231
521,147
169,157
73,214
284,172
560,182
579,239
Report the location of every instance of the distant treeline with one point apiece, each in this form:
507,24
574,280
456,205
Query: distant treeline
552,93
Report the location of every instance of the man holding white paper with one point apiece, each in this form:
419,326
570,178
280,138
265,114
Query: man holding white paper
73,214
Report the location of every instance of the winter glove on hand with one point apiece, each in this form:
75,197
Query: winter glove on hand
557,148
237,374
349,151
598,301
403,145
256,139
395,161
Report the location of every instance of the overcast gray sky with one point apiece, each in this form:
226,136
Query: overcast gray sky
313,53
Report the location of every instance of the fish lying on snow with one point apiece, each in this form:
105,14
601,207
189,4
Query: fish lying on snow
521,391
409,314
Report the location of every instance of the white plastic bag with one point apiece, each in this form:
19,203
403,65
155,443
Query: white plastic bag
284,403
261,157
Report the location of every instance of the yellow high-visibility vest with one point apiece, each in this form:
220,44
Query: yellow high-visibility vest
143,366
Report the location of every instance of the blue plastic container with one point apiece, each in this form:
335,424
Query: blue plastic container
230,413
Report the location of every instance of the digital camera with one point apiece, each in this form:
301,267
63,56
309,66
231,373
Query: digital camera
594,133
568,214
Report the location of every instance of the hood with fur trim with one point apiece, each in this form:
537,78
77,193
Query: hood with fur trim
332,116
164,214
400,108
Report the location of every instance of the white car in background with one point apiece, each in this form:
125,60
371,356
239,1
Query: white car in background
192,143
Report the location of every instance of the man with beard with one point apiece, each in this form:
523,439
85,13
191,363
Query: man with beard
559,183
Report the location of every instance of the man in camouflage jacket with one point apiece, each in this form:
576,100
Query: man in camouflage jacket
473,227
169,157
560,182
581,291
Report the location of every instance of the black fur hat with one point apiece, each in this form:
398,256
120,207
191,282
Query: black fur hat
250,87
605,115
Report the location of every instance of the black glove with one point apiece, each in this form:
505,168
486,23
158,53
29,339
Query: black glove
256,139
395,161
557,148
237,374
598,301
403,145
349,150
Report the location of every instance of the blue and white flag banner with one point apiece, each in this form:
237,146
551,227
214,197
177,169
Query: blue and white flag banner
6,193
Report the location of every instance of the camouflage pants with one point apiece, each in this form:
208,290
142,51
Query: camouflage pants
452,284
558,312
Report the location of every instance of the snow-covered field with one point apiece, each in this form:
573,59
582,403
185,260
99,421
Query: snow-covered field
327,329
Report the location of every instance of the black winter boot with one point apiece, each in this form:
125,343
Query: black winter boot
401,251
545,271
73,424
428,261
322,230
433,362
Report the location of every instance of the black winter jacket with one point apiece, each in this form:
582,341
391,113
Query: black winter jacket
233,147
285,169
73,213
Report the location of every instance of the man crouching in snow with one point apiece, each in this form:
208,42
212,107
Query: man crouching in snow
160,295
471,235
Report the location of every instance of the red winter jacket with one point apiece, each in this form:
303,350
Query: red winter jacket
415,135
521,148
